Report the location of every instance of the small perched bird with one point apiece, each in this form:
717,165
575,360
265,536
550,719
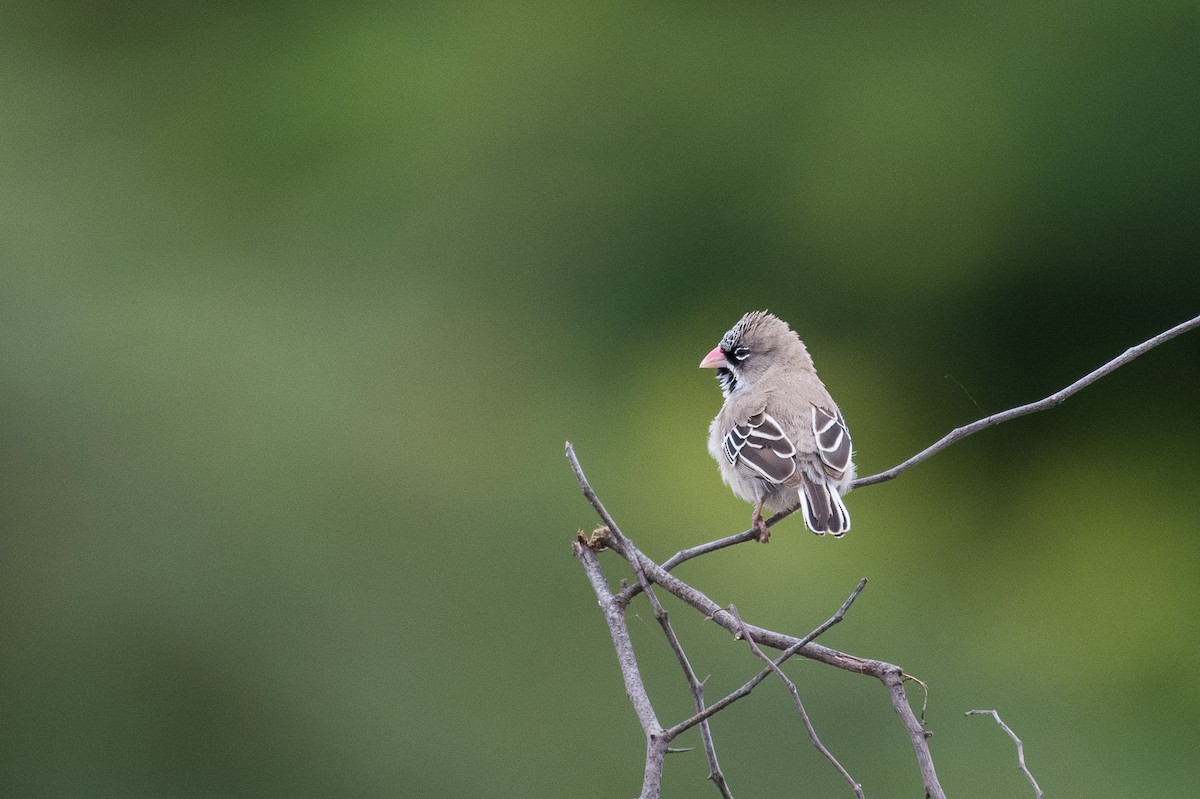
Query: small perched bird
779,439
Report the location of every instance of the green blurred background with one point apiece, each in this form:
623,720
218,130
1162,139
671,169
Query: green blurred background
299,303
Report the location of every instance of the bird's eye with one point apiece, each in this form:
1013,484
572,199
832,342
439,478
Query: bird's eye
741,353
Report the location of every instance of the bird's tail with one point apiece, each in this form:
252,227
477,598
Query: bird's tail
824,511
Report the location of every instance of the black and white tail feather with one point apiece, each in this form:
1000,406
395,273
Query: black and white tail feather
821,502
823,509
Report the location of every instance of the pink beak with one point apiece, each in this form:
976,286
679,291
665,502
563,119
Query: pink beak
714,360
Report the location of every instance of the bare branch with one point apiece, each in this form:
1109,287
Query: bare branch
697,688
711,546
1051,401
613,530
917,733
890,675
791,686
1037,791
740,630
614,614
649,571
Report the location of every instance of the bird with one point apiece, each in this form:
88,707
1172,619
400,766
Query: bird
779,439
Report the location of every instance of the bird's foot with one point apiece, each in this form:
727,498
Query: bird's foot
759,526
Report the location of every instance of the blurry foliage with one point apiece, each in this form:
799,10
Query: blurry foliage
299,303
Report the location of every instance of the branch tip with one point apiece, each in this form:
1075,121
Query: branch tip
1052,401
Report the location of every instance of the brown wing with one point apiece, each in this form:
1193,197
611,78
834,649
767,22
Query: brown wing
833,441
761,444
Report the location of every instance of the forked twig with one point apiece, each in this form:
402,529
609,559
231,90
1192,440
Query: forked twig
1037,791
742,630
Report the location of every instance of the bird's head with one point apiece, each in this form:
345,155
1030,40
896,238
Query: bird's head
758,341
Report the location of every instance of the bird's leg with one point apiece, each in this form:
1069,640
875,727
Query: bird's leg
760,526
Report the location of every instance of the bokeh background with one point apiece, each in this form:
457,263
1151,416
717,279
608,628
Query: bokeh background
299,303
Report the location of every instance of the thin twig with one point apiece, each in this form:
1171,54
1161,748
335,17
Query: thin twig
711,546
1037,791
629,592
791,686
613,530
1051,401
710,749
740,629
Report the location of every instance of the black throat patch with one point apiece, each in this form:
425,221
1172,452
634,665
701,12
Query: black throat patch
727,380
